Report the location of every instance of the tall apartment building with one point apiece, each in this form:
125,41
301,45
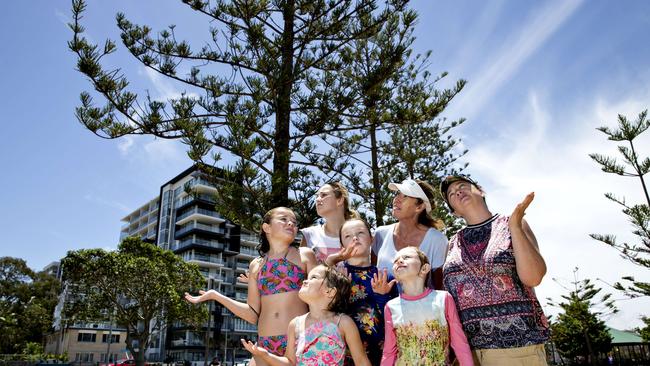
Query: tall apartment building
183,219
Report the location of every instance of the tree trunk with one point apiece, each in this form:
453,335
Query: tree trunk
280,177
374,162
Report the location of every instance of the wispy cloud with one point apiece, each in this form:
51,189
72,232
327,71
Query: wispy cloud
164,87
125,145
106,202
486,81
552,160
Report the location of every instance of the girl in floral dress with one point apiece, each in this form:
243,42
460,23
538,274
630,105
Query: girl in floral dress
320,337
421,323
371,288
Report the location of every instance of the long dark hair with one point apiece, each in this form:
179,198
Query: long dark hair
264,246
336,280
426,218
340,191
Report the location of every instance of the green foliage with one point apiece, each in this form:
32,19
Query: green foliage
399,135
580,331
132,286
27,302
638,214
270,82
645,331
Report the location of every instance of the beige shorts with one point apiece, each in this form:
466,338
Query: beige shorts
520,356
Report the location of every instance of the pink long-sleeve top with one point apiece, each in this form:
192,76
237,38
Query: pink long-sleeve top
420,329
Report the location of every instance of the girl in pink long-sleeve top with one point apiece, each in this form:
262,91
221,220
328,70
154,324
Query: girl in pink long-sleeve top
421,323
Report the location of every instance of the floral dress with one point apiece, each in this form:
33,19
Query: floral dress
367,310
320,344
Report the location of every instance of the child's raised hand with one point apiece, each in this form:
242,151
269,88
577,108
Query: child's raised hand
203,296
243,277
342,255
253,348
380,284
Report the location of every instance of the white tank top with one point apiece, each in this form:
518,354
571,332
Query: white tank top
321,244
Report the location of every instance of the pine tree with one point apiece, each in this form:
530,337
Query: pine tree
580,331
400,134
638,214
282,88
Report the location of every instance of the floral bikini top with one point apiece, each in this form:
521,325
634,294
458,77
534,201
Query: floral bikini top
319,345
279,275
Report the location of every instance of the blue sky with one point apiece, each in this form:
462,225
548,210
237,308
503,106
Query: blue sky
542,76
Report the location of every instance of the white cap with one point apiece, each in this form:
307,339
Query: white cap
411,188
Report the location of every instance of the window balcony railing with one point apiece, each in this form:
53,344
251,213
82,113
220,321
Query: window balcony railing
200,211
197,225
205,243
193,197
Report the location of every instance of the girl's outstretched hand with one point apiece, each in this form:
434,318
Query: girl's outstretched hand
203,296
380,284
253,348
243,277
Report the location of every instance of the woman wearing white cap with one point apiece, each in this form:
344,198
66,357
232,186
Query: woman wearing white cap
415,228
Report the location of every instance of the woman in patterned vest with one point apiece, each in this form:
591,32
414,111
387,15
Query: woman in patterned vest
492,267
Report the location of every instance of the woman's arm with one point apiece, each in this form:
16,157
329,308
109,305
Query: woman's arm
530,264
353,340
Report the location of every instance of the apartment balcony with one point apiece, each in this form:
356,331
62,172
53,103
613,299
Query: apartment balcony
250,238
226,278
242,266
204,260
248,252
244,328
214,245
197,227
194,198
200,214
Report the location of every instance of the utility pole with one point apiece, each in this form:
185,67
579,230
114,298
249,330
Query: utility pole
110,338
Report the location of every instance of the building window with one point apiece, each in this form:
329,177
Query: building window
83,357
113,357
87,337
115,338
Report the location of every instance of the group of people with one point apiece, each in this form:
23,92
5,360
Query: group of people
402,295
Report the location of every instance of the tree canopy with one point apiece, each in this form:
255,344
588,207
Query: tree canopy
139,287
27,302
580,331
282,95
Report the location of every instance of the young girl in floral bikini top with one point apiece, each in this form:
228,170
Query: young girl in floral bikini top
320,336
273,284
